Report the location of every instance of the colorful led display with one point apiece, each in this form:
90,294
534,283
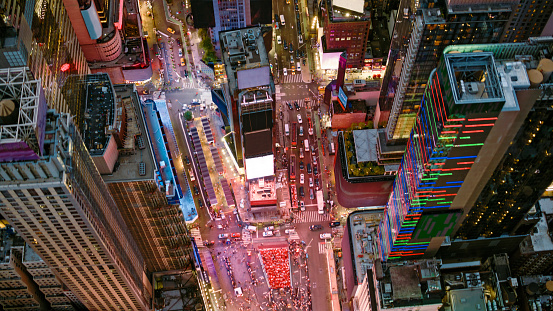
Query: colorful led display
449,131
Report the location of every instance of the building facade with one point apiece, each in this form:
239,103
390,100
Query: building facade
346,26
39,34
60,206
417,48
472,108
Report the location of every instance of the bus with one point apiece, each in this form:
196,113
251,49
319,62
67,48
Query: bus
294,135
292,166
282,20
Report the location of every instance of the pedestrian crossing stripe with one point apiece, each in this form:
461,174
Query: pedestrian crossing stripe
188,85
310,216
323,246
292,78
195,233
294,236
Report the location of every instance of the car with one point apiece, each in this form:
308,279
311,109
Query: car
209,243
301,154
200,203
301,165
302,206
311,182
284,43
196,190
235,235
297,105
308,168
290,48
334,224
312,150
315,170
310,131
292,61
169,29
182,62
223,236
299,119
276,25
279,40
297,8
249,252
314,160
289,105
317,183
285,71
276,17
315,227
187,159
302,178
180,52
301,192
325,236
289,231
300,39
269,228
267,233
298,54
301,130
311,196
298,17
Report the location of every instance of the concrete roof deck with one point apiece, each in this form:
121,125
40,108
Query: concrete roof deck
129,162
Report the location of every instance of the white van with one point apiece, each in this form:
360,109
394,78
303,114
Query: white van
325,236
306,144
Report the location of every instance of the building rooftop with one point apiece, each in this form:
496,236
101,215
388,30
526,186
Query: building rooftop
467,299
263,190
244,49
474,78
99,113
365,144
351,5
362,227
133,153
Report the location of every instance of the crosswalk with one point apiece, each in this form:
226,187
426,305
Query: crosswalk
323,246
294,236
292,78
310,216
188,85
195,233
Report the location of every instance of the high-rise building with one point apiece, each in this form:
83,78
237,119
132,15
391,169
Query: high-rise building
418,42
228,15
251,92
473,107
53,195
27,281
39,35
529,19
123,152
346,28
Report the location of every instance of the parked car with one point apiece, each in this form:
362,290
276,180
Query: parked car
315,227
267,233
269,228
325,236
334,224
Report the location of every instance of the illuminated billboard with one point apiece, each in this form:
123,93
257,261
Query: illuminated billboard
260,167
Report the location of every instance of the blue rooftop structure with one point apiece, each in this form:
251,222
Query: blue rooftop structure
157,111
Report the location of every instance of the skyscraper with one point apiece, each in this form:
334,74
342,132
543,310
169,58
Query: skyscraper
38,34
472,108
53,195
418,42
